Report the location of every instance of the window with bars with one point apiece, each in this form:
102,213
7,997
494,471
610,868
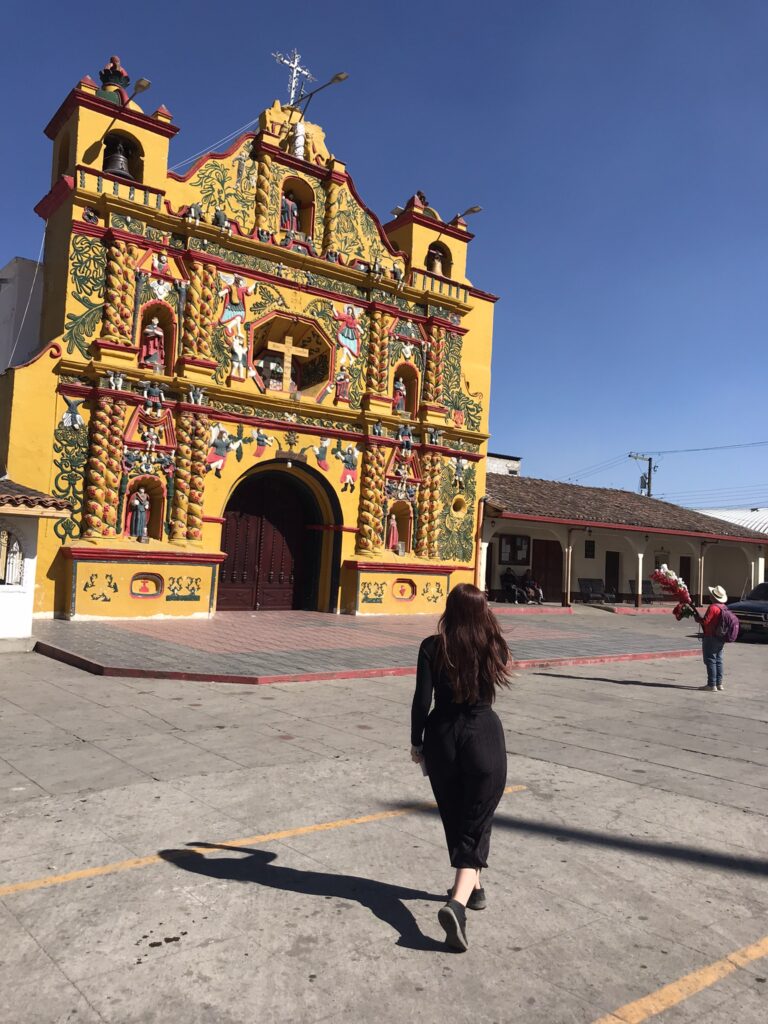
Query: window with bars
11,559
589,549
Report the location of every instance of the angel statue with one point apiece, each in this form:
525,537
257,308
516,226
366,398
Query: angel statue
221,444
233,312
72,417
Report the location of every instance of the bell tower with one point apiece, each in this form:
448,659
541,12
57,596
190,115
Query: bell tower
103,144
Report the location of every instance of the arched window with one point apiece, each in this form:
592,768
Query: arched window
406,389
11,560
439,259
123,156
62,155
297,207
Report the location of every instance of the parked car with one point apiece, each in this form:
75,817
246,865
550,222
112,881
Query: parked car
752,612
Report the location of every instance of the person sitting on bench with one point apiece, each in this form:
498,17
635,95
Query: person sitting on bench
511,588
533,592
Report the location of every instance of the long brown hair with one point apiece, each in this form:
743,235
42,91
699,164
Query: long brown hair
471,649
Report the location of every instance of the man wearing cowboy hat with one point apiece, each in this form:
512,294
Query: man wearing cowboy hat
712,644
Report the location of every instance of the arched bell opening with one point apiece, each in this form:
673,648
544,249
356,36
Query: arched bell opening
439,260
123,156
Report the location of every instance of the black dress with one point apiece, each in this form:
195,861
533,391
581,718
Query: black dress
466,760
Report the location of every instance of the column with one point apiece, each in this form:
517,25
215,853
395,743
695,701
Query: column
639,586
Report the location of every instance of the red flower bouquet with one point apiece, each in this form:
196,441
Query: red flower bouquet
674,586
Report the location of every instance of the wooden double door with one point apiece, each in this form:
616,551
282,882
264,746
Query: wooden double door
271,561
547,568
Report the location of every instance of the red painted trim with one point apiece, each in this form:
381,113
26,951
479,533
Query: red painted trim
210,155
121,555
476,293
401,567
77,98
333,528
622,526
440,321
214,519
469,456
53,349
50,203
604,659
95,668
413,217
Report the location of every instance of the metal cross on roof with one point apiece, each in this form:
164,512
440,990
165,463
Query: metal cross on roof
297,76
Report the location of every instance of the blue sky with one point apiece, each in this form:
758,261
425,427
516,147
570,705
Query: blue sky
619,149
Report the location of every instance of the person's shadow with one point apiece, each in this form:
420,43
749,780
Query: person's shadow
382,899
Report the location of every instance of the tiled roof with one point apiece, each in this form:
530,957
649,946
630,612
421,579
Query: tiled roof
17,496
550,499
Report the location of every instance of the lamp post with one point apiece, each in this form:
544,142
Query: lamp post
340,76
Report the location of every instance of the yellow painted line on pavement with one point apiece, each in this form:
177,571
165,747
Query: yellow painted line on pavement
267,837
685,987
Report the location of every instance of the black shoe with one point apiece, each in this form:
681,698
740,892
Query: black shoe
476,901
453,920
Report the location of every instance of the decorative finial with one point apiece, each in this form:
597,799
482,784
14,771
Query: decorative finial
113,73
298,75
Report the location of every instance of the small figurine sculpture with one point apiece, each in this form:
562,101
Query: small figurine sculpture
405,436
234,294
221,445
401,393
377,429
393,535
239,368
434,435
115,378
289,212
348,459
151,349
459,470
72,418
342,381
154,395
349,334
196,395
194,212
262,441
407,350
160,263
139,516
220,220
377,271
151,438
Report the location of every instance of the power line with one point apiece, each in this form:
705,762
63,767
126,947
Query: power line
713,448
214,145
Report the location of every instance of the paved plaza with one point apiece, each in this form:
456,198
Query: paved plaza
273,646
220,854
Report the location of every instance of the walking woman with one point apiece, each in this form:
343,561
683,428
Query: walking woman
461,741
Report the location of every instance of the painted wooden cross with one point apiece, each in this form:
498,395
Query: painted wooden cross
288,349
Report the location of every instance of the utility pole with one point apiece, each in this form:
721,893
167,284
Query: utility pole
647,478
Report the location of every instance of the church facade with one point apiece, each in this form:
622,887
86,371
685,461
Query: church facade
251,393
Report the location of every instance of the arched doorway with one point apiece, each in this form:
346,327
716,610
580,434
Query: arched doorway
280,556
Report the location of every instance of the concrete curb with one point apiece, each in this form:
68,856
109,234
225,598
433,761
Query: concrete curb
95,668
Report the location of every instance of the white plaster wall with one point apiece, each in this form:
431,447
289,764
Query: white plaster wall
16,601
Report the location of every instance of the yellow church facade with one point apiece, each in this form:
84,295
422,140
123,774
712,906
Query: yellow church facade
252,393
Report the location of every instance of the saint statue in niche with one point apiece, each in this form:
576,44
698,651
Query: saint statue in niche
289,212
401,393
342,382
139,515
393,535
152,346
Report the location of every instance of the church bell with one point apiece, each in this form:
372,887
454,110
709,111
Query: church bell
116,159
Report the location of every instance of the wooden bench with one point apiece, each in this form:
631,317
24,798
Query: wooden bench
594,590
